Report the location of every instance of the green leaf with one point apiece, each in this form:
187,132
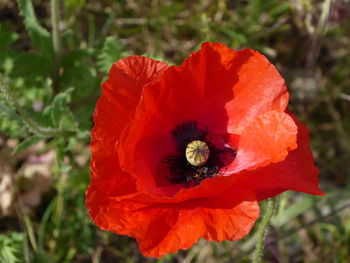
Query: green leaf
10,247
41,257
31,65
112,51
7,38
9,113
280,9
10,122
26,144
60,106
79,72
59,112
40,37
294,210
60,153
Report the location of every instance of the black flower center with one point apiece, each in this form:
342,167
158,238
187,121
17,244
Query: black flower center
197,158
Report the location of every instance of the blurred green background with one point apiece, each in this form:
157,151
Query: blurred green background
54,56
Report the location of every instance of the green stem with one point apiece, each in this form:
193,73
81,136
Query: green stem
30,123
270,207
56,45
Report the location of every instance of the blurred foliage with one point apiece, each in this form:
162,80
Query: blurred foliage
309,42
11,246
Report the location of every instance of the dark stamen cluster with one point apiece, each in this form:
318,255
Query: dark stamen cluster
181,171
187,132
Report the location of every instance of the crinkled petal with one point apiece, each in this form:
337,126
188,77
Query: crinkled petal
259,89
116,106
297,172
121,93
267,139
162,228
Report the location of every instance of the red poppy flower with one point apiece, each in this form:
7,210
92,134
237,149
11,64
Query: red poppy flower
186,152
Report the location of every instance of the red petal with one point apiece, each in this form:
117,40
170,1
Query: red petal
259,89
120,95
165,228
297,172
267,139
203,89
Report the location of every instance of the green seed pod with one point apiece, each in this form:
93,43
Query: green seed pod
197,153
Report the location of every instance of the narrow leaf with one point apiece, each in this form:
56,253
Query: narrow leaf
40,37
26,144
112,51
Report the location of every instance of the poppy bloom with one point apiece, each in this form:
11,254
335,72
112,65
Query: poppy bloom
186,152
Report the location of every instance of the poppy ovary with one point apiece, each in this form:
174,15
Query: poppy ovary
197,152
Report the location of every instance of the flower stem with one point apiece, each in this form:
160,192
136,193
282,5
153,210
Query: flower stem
30,123
56,45
270,207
